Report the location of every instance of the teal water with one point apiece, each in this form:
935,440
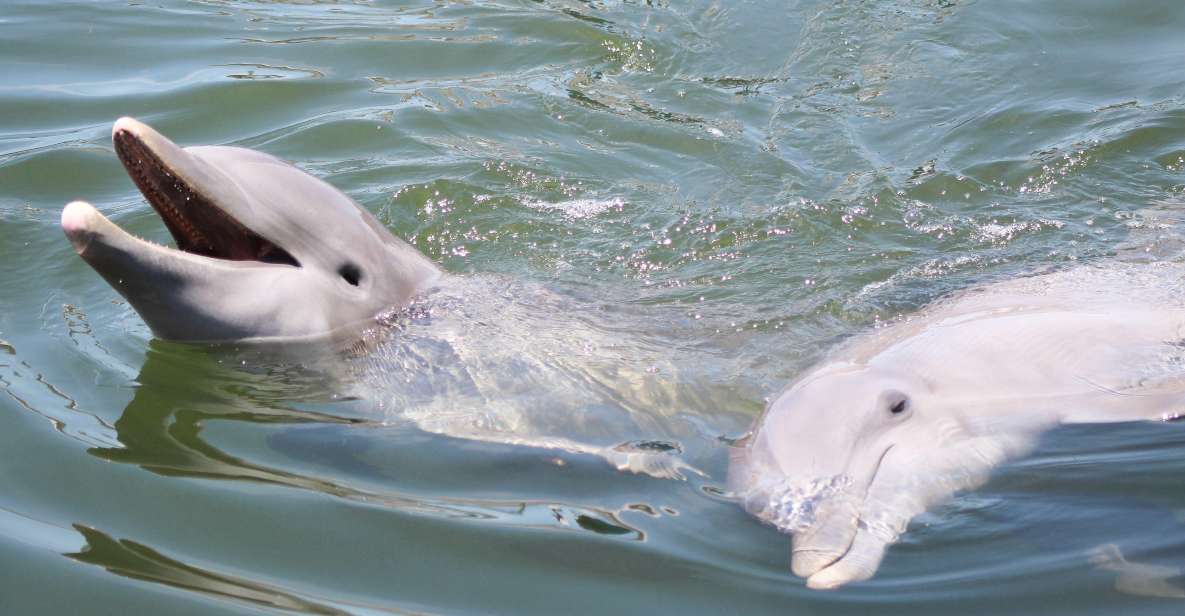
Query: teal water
658,214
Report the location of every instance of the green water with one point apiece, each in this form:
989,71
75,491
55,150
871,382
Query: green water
714,193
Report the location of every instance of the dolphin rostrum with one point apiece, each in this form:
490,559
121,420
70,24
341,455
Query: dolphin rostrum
264,250
901,418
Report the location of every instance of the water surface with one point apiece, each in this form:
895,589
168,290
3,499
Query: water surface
658,213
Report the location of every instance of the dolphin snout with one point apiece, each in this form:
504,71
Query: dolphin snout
80,223
161,147
805,563
137,128
828,538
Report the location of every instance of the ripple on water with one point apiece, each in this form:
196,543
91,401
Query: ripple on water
714,194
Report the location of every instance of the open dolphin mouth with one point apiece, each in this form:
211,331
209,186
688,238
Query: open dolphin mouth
197,225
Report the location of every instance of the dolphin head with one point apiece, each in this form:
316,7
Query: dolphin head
264,250
846,456
821,446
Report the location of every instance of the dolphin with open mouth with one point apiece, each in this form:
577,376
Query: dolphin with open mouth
902,418
264,250
268,253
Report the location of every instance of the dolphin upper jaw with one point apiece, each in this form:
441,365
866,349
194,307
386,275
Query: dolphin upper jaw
179,161
202,206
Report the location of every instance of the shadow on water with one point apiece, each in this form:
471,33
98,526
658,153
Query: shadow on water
182,389
138,561
164,429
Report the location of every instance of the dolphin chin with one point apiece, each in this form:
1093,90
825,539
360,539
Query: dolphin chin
264,251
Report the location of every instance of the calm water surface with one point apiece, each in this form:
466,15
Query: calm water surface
657,213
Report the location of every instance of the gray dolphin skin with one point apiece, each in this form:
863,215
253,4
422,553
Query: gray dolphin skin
264,250
901,418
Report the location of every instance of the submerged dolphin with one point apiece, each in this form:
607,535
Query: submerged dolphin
902,418
264,250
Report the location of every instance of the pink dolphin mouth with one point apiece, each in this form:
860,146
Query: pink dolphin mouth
197,225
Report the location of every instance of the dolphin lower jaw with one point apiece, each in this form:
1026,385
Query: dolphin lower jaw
830,538
805,563
827,541
172,289
197,225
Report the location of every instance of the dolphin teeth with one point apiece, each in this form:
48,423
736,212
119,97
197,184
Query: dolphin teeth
199,226
126,144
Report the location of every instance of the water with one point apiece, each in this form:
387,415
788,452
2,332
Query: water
709,195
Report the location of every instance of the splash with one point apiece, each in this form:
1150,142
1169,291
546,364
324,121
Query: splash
791,505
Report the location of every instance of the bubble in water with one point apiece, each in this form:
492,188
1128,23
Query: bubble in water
791,505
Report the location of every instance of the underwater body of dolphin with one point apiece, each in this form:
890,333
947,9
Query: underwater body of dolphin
902,418
264,250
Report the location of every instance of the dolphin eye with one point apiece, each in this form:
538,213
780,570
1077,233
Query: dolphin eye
350,273
899,406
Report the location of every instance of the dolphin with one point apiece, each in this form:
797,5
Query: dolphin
264,251
899,419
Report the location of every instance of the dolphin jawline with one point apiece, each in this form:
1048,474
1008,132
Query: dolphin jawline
197,225
823,557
